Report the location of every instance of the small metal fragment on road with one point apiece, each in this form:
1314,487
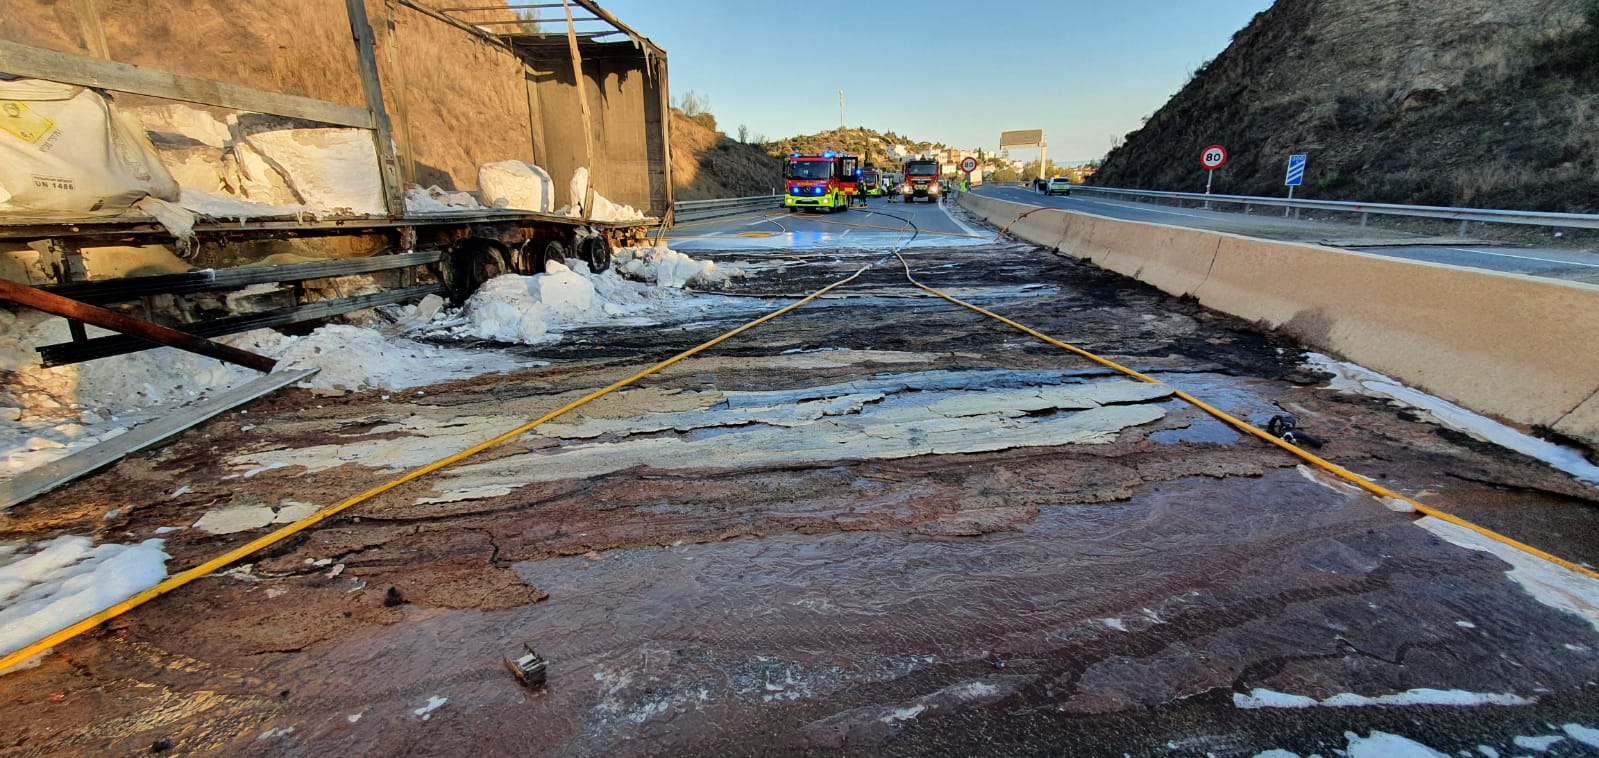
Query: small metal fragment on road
529,670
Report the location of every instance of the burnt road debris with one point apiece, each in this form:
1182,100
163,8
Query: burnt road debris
393,598
1286,428
530,669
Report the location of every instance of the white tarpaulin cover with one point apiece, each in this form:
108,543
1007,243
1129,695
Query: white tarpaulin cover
65,151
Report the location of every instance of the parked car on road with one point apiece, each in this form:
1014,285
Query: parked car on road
1058,185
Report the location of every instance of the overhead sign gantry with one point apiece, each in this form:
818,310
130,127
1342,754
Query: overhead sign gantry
1027,138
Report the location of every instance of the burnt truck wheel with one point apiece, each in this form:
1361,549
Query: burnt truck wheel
596,252
470,262
554,251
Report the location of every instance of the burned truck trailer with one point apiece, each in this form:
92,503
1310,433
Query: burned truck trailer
438,149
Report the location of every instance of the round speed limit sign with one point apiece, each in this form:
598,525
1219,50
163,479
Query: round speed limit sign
1213,157
968,165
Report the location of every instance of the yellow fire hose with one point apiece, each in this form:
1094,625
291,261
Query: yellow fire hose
178,580
1317,461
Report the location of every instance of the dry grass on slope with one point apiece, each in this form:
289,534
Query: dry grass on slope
706,164
1472,102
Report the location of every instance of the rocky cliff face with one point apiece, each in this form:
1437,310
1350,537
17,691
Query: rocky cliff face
1489,103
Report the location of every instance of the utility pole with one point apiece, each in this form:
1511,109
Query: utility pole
841,139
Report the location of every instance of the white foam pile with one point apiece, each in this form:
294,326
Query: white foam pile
334,170
56,583
643,288
49,413
515,184
1349,377
602,208
668,268
436,199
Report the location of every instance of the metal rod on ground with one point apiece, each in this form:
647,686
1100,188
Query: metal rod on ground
72,309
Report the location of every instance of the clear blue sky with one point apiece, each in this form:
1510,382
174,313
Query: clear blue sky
1084,71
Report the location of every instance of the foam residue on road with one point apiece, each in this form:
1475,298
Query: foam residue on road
53,584
892,416
1548,583
50,413
1263,698
665,267
644,288
1380,744
1349,377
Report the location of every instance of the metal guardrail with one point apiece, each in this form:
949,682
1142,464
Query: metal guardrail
1463,215
695,210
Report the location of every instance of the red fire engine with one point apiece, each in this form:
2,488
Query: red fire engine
827,181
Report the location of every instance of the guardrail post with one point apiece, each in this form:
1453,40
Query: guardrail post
1363,220
1463,223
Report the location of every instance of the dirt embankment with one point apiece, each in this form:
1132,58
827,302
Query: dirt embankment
707,164
1475,102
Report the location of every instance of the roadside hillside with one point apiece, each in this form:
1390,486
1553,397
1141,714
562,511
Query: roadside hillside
868,143
707,164
1485,103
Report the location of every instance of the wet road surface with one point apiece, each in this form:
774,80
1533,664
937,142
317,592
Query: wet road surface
880,525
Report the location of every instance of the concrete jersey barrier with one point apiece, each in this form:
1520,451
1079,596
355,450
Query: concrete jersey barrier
1508,345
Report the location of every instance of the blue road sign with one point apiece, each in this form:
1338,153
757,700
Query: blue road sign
1296,170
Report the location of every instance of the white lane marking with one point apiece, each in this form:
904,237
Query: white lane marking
1523,257
945,208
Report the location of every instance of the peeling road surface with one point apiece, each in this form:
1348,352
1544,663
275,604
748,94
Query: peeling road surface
879,525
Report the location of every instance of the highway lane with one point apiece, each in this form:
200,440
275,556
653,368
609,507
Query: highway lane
880,224
1571,265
